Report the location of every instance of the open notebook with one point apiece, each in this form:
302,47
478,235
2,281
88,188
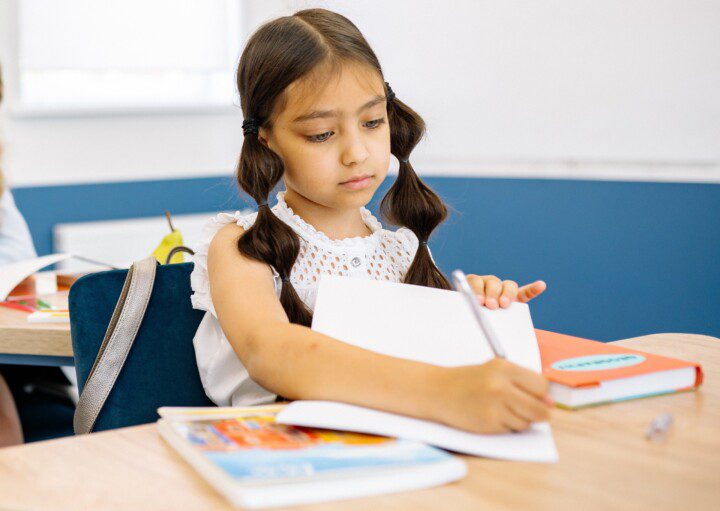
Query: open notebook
427,325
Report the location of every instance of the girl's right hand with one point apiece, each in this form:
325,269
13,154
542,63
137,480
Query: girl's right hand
495,397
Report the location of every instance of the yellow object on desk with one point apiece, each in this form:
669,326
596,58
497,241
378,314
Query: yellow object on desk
169,242
172,240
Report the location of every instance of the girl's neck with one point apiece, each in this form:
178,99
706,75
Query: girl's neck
336,224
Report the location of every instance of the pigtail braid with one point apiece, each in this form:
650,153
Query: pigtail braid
410,202
269,239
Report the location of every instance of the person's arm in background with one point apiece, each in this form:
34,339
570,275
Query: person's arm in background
10,429
15,241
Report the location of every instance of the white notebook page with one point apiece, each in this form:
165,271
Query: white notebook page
427,325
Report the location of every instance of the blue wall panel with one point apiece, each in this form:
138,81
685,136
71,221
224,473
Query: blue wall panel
621,259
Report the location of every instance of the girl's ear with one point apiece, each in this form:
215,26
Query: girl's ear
263,137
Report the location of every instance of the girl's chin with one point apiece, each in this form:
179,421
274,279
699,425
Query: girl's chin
340,197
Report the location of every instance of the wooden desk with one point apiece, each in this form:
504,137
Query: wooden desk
35,343
605,462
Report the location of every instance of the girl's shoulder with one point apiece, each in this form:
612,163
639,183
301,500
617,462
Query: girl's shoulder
244,219
15,240
223,225
199,280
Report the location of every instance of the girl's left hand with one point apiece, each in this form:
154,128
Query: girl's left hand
493,292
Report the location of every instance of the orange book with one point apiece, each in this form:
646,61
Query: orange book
588,373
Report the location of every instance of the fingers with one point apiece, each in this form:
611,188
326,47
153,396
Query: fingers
488,289
530,291
522,409
493,288
527,407
531,382
493,292
477,283
509,291
513,421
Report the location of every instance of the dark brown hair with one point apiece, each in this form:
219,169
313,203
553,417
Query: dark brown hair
276,55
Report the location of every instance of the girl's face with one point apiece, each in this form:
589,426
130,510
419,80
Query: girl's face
333,137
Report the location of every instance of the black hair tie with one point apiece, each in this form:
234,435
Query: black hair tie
423,243
251,125
286,279
261,204
390,93
406,160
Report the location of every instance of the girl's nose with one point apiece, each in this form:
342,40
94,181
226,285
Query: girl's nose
355,150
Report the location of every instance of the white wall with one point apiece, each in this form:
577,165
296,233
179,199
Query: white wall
53,150
563,88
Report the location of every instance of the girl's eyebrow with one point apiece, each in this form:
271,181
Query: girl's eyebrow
322,114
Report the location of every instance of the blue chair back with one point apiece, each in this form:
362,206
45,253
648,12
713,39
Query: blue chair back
160,369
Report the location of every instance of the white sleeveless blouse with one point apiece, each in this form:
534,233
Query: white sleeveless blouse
382,255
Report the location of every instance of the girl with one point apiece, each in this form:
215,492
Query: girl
319,116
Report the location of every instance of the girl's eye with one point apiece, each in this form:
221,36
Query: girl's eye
322,137
374,123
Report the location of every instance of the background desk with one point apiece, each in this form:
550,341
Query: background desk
35,343
605,462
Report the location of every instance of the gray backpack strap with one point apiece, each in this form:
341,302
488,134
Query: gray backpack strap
119,338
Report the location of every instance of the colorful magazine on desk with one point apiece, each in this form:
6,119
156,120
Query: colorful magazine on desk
255,462
587,373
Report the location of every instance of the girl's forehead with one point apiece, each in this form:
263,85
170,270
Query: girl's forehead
343,89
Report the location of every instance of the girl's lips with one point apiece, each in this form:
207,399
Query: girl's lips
358,184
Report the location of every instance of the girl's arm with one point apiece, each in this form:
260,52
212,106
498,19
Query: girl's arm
298,363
